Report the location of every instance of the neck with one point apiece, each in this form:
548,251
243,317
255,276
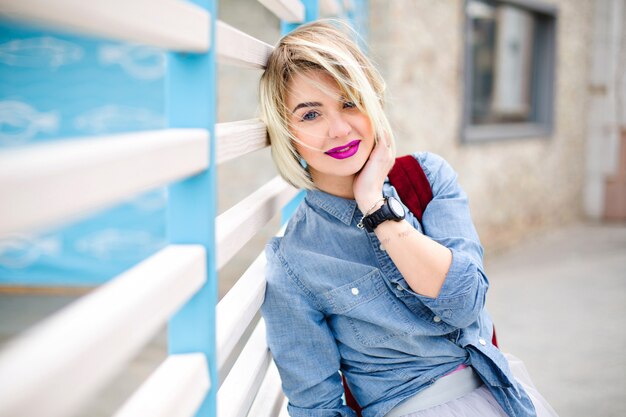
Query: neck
337,186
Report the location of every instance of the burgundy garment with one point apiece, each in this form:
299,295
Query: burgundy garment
411,183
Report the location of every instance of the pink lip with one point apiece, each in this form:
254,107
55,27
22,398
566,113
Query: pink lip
346,151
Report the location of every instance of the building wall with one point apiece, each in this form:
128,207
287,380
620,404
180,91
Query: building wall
516,187
605,188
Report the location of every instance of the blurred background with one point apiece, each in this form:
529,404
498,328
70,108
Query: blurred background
526,99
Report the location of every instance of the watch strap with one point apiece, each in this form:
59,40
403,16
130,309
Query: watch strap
373,220
384,213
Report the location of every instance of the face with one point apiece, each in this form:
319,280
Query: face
334,137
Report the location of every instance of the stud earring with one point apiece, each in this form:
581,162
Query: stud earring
303,163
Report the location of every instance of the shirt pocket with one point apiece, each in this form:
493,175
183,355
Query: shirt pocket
368,311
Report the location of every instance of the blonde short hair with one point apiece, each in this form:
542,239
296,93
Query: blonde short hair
319,46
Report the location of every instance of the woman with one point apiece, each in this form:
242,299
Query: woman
357,284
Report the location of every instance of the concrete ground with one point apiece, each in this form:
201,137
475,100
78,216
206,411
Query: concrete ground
558,302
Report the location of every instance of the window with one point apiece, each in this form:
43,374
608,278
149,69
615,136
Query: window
509,69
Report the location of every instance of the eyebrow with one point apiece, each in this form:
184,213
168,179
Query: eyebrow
307,104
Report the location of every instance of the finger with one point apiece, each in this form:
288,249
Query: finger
385,140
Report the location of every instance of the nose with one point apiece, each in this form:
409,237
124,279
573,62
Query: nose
338,127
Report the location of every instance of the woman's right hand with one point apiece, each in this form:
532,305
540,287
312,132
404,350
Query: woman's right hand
368,183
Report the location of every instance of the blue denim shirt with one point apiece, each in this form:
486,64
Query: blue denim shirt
335,301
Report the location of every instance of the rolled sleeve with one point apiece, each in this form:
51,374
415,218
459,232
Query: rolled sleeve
301,343
447,220
462,295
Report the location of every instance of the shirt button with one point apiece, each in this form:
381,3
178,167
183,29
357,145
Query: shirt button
482,341
355,291
381,247
399,287
436,319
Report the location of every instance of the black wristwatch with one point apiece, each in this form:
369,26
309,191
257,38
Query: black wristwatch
392,209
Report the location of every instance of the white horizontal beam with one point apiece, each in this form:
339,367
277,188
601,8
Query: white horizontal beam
43,185
291,11
235,139
283,409
86,344
269,399
169,24
175,389
237,309
237,225
237,393
235,47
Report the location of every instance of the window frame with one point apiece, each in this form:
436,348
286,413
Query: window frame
543,84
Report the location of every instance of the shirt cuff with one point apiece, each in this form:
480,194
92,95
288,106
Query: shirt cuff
459,284
344,411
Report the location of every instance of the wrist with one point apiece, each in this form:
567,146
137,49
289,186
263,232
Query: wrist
390,209
370,205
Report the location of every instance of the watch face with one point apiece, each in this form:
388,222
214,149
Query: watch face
396,207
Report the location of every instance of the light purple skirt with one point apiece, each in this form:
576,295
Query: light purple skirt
480,402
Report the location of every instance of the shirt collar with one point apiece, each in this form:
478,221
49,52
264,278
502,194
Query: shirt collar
341,208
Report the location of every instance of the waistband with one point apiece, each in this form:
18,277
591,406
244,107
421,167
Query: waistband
447,388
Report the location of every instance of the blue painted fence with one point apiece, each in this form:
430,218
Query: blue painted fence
57,85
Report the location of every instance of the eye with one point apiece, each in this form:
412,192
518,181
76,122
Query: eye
310,115
349,105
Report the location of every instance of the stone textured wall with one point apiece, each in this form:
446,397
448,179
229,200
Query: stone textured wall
606,129
516,187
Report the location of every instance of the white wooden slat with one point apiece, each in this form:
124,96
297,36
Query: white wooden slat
236,394
237,309
330,8
283,409
291,11
235,139
170,24
87,343
235,47
238,224
42,185
175,389
269,399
